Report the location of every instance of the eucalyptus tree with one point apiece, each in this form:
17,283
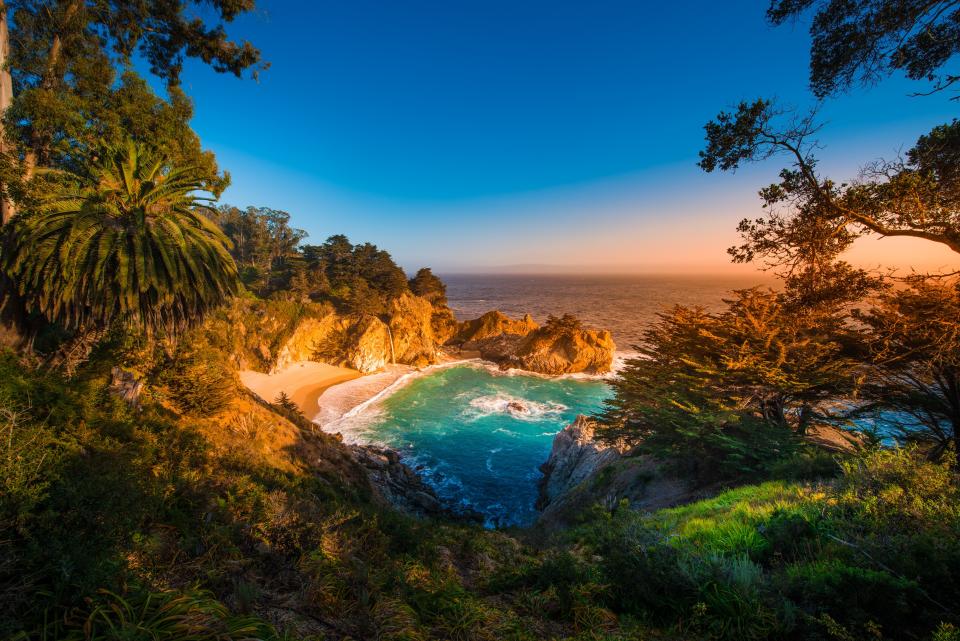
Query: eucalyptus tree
128,242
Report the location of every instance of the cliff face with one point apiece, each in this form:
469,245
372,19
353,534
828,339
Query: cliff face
582,471
575,456
411,324
269,335
304,340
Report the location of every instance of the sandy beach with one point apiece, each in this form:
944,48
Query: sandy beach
303,382
326,393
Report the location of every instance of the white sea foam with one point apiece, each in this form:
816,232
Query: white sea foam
618,360
353,421
515,407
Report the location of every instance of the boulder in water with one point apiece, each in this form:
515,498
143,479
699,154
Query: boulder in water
518,407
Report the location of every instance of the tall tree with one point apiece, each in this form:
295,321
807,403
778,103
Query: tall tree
7,209
426,285
917,196
64,62
729,393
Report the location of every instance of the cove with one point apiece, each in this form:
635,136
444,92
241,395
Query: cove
478,435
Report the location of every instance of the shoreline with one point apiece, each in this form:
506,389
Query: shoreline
304,382
327,394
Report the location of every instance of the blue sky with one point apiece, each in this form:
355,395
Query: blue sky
475,135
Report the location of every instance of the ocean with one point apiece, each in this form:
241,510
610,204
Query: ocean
625,305
479,435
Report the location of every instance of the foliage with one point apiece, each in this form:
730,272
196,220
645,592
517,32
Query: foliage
856,558
865,41
262,243
726,394
426,285
811,219
178,616
562,325
65,56
361,278
198,380
914,385
127,242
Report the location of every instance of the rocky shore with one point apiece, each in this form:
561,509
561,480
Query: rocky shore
583,470
416,333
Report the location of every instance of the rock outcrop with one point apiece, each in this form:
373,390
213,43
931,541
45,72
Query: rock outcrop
268,336
403,488
562,346
471,334
302,343
582,471
396,482
411,325
365,346
576,455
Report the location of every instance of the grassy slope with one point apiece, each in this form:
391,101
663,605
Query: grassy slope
249,524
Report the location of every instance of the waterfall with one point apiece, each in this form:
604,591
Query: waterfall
393,356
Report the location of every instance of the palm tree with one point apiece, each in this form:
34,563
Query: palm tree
127,243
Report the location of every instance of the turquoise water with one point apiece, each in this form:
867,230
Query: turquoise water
480,435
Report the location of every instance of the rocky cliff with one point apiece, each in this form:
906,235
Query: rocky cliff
561,346
471,334
583,471
269,335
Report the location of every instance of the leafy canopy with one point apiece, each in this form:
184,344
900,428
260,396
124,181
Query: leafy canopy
727,393
864,41
426,285
74,86
812,219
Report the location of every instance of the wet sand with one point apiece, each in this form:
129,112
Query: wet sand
338,400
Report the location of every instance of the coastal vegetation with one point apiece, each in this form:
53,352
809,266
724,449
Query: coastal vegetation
145,493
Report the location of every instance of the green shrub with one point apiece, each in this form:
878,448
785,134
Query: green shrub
200,382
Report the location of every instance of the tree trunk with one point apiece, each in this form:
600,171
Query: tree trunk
52,76
7,210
